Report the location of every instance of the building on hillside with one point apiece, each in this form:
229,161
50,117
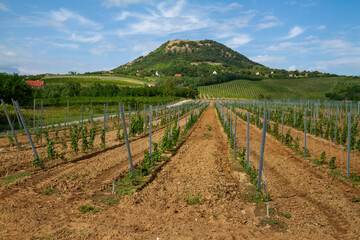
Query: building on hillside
177,75
214,72
272,72
111,71
36,84
257,73
157,74
151,85
138,74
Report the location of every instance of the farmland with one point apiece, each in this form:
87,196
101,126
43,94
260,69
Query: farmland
85,80
295,88
195,184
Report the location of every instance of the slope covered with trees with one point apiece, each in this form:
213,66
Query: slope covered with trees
189,58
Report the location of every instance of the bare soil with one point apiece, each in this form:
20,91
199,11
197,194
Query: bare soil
196,195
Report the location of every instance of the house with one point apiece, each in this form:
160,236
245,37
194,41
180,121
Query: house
257,73
36,84
111,71
157,74
138,74
272,72
151,85
177,75
214,72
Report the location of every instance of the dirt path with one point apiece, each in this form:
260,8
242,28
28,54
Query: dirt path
321,206
161,210
200,168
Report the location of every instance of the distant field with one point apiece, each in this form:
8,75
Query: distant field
84,80
295,88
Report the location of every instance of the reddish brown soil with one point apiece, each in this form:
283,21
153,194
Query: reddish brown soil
317,145
320,206
12,160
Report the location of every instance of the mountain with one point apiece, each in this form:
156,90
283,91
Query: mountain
189,58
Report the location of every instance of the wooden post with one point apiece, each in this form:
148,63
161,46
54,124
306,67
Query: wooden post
127,142
10,123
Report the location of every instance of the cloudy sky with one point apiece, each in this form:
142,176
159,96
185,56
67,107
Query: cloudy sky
42,36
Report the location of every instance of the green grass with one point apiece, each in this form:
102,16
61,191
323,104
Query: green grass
286,215
193,199
294,88
84,209
84,80
11,179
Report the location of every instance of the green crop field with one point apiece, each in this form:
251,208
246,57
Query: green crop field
294,88
85,80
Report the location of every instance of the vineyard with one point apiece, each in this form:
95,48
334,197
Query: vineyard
195,169
297,88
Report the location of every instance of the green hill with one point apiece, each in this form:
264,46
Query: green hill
295,88
188,58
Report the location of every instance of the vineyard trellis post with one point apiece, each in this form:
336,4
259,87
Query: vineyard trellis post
348,145
145,113
178,117
150,129
10,123
282,124
90,111
104,123
169,136
248,141
17,114
305,133
336,119
235,132
185,116
156,118
67,113
127,142
28,135
82,116
34,113
129,119
262,147
41,122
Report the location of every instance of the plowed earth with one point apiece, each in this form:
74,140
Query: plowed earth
200,173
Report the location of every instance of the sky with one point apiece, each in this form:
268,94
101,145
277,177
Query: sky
42,36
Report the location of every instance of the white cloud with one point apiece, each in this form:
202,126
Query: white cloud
122,16
105,47
239,40
272,61
283,46
348,64
165,19
295,31
321,27
4,8
90,39
121,3
66,45
292,68
64,15
168,9
269,21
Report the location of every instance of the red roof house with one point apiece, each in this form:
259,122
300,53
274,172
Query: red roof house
177,75
36,84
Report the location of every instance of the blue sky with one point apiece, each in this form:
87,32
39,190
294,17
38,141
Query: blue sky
42,36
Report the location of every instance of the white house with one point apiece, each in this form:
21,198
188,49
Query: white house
157,74
214,72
